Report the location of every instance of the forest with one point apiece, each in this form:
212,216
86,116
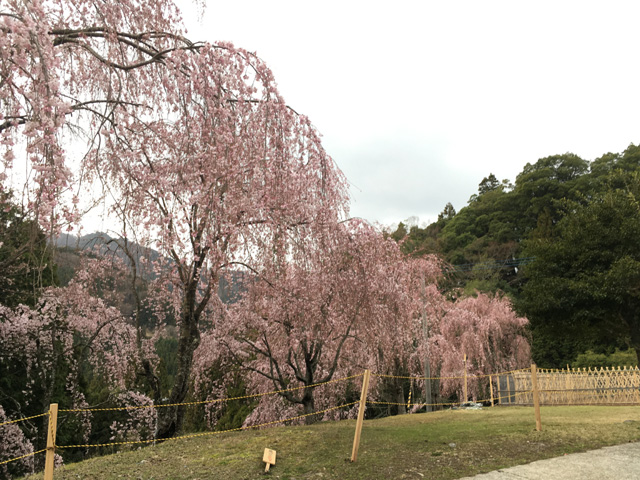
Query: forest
236,268
561,243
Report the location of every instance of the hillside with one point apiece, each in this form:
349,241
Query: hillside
69,249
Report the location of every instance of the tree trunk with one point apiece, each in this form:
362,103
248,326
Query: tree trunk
47,398
309,407
402,406
170,419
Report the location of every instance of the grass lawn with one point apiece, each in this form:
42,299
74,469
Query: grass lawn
440,445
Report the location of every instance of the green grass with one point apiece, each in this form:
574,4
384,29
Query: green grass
407,446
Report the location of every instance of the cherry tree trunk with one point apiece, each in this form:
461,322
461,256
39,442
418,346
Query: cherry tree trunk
309,407
402,408
170,419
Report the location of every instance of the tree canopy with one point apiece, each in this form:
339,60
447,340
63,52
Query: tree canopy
584,287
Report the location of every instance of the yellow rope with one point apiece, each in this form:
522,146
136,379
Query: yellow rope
448,378
415,404
411,378
23,456
218,400
451,403
257,395
23,419
211,433
505,373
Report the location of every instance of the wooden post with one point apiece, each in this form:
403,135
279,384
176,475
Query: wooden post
51,442
491,389
363,403
466,397
536,397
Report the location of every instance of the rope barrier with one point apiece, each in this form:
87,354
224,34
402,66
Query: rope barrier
594,389
217,400
470,376
403,377
23,419
583,404
449,403
203,434
414,404
23,456
514,394
510,372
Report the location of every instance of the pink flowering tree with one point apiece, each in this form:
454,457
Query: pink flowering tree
347,302
322,312
408,349
194,147
229,178
13,444
45,349
66,67
488,331
134,424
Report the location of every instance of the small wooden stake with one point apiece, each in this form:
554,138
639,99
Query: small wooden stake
269,457
491,389
363,403
51,442
536,397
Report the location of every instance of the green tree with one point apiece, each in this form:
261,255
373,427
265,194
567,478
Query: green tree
423,241
481,234
542,186
488,184
583,290
26,262
448,213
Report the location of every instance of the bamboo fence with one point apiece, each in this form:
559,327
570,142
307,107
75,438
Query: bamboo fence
606,386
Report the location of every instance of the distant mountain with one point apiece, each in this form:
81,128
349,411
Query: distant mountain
68,255
100,243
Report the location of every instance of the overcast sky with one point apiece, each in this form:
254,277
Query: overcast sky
417,101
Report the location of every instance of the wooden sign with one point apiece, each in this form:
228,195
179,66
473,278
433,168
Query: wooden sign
269,457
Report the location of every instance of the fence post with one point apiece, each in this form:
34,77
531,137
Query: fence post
536,397
491,389
51,442
466,397
363,403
